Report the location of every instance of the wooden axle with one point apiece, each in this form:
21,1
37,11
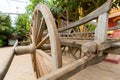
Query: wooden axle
24,49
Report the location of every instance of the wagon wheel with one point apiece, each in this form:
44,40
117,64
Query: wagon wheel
44,32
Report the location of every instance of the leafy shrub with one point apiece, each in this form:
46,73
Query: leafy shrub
1,43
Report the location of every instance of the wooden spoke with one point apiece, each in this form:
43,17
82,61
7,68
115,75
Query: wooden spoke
40,30
43,41
43,67
31,38
33,29
37,22
44,54
80,54
38,67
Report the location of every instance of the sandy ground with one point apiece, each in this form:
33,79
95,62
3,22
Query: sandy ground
21,69
101,71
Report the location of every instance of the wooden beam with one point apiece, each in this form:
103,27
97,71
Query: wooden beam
107,44
5,64
113,50
100,46
66,71
73,41
46,47
59,25
101,30
19,50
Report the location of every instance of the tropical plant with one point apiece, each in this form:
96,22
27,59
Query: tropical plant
6,29
5,24
22,26
60,6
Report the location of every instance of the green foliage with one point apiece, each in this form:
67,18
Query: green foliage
22,25
90,27
4,40
5,25
6,29
1,43
116,3
72,6
31,6
60,6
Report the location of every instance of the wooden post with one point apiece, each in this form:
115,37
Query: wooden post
67,14
59,22
101,30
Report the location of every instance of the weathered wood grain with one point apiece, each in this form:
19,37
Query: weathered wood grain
5,64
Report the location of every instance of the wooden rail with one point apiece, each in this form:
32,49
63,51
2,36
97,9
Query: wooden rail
66,71
101,10
4,65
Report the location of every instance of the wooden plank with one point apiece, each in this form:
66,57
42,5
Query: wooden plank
113,50
107,44
73,41
101,30
101,46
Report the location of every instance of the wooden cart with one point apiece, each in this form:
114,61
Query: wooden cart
48,44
